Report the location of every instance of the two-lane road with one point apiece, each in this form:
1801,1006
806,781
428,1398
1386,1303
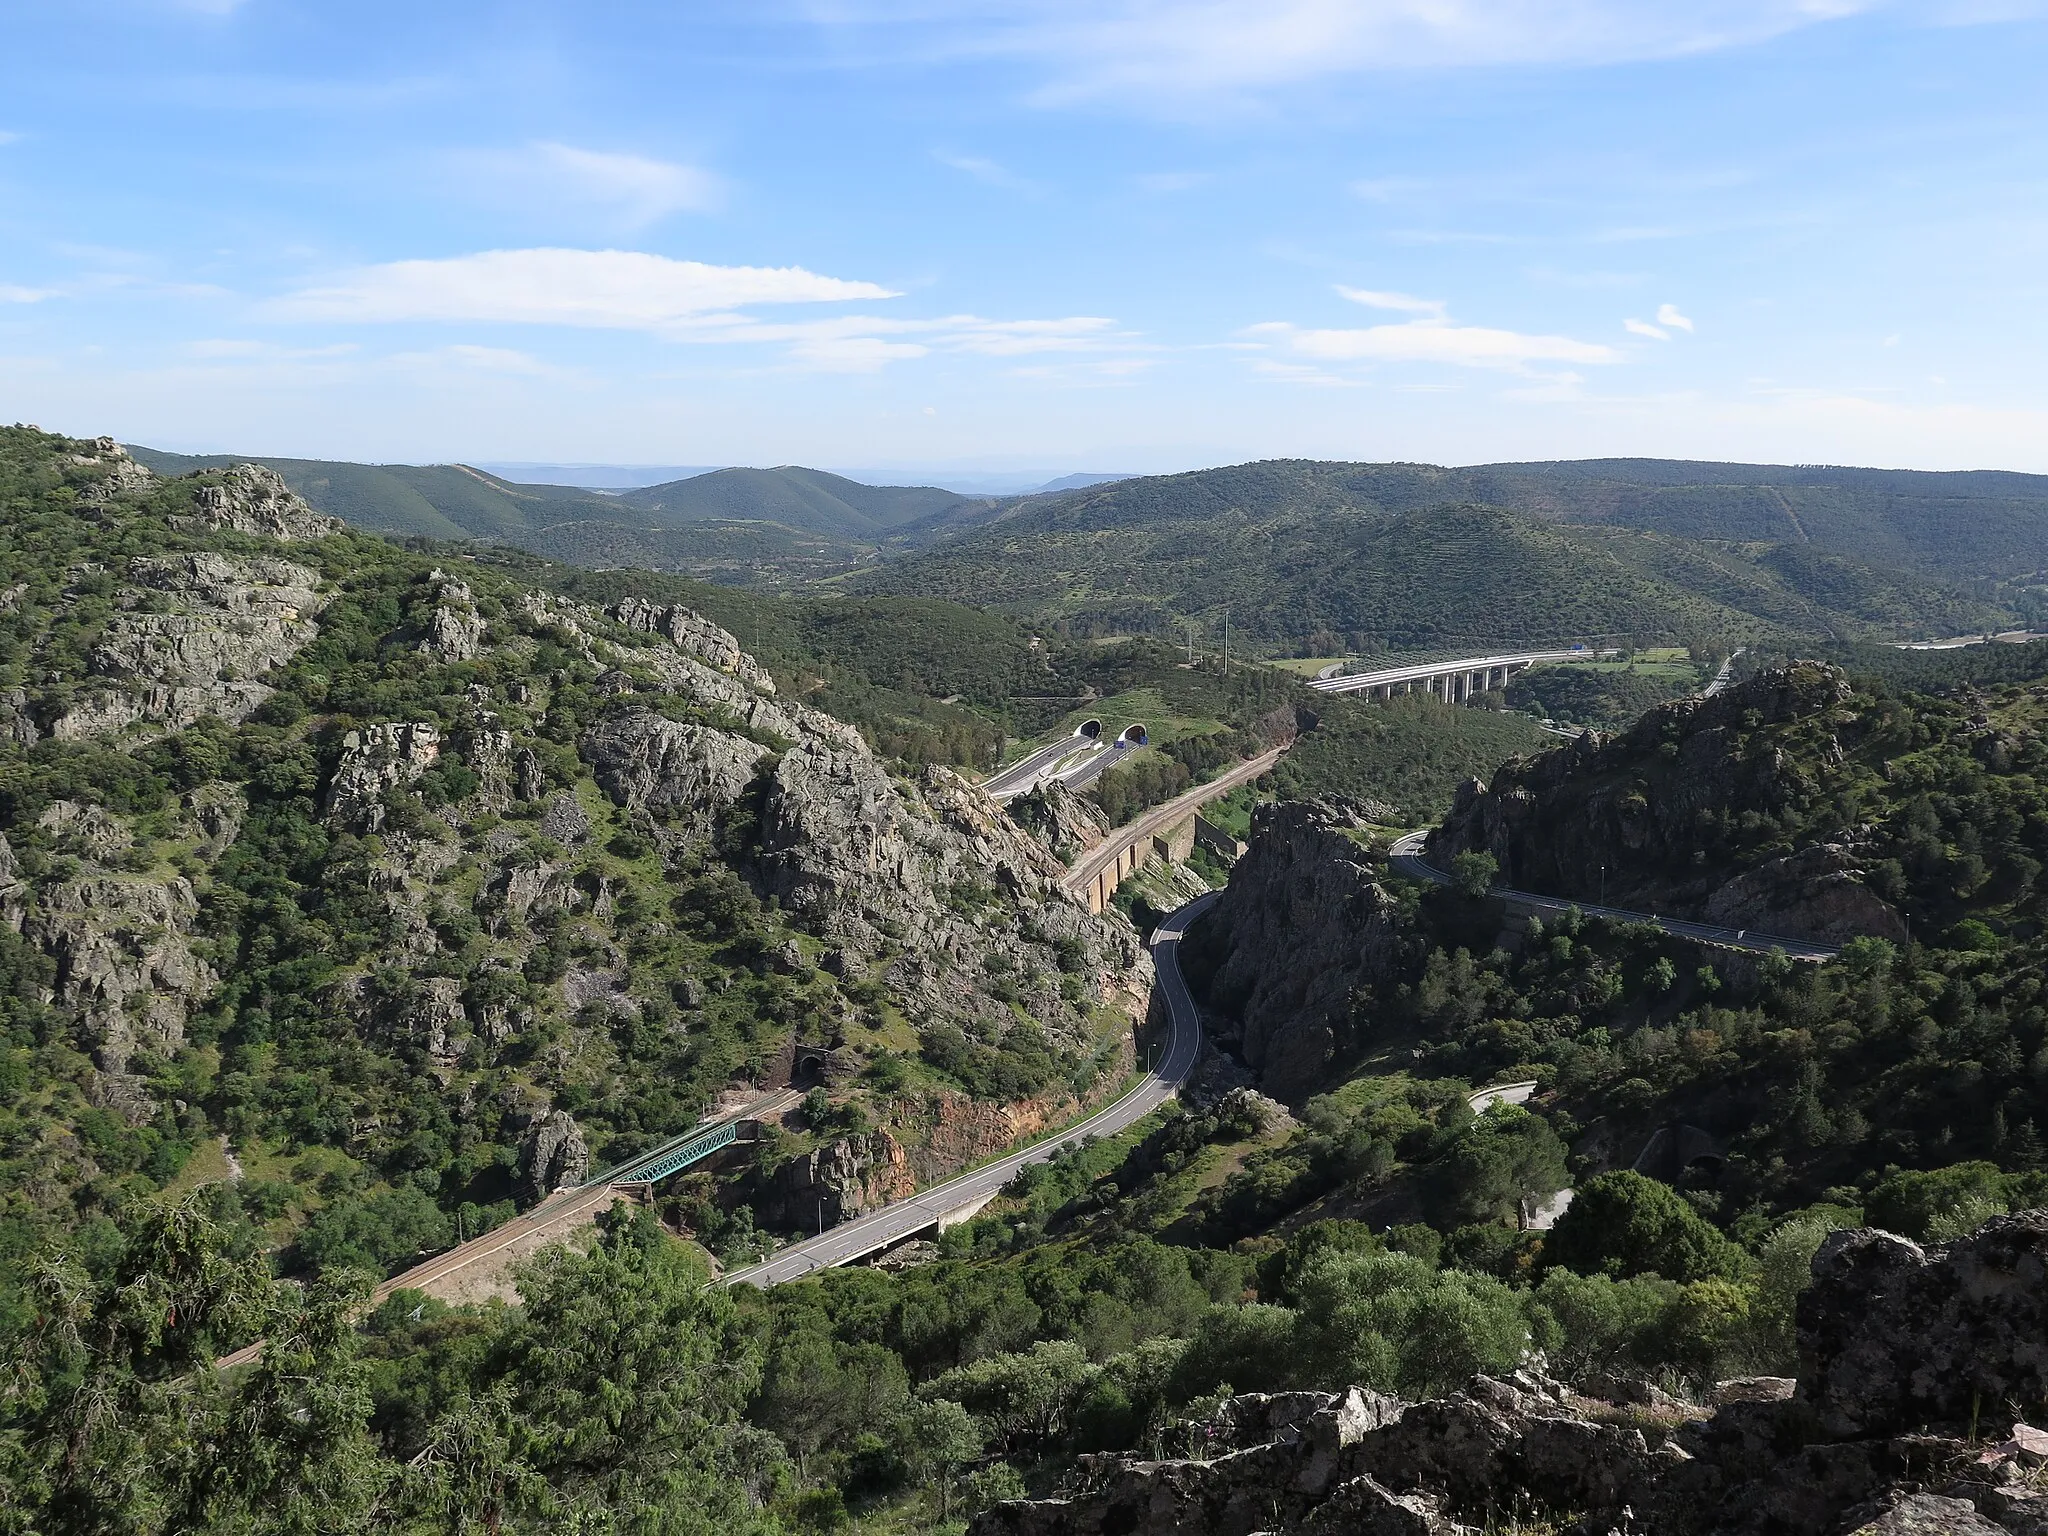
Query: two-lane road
1406,857
870,1234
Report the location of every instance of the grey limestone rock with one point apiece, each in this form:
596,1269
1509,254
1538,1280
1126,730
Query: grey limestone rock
686,773
566,821
454,630
124,958
374,760
199,632
691,632
552,1156
253,499
1891,1335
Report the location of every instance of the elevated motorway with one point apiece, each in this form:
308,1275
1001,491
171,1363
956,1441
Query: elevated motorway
1406,857
1452,681
946,1204
1167,831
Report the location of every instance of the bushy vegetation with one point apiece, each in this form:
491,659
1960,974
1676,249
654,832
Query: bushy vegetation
1407,753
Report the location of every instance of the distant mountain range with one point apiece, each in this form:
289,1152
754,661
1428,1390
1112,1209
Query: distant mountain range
1304,553
1334,556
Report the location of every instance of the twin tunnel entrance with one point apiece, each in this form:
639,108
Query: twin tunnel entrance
1133,735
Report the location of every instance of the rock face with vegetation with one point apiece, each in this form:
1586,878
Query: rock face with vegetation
431,889
1728,808
1302,924
1909,1363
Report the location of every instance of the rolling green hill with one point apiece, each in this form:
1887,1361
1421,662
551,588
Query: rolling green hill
1365,557
809,500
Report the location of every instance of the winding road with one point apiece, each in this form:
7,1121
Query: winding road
968,1191
1406,856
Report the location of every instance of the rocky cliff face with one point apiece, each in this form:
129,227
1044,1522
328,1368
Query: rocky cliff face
1302,924
1912,1368
1652,817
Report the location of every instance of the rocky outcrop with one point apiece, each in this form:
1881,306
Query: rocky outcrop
1911,1363
689,775
692,633
125,963
1061,819
1892,1336
1645,818
253,499
845,1178
197,633
1302,924
374,761
552,1156
454,629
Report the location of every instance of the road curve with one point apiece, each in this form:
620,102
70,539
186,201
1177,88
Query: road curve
868,1234
1406,856
1021,777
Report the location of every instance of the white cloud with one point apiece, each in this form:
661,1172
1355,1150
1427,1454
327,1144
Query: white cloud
1174,47
14,293
8,136
633,191
1667,314
1644,328
617,290
1404,303
864,343
1437,341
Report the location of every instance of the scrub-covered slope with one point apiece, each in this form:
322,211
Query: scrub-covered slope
418,891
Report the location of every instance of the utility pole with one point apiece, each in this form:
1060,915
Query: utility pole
1226,640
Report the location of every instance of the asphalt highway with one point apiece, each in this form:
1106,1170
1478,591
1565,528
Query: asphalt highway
1421,670
1406,855
1022,777
869,1234
1160,817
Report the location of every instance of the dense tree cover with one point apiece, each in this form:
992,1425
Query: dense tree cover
1408,753
1597,696
611,1399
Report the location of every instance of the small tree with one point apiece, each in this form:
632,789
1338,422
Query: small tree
1473,874
935,1439
1623,1224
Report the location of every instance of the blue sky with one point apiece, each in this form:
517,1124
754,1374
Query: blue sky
1066,235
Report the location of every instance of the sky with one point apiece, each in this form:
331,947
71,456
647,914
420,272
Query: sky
941,236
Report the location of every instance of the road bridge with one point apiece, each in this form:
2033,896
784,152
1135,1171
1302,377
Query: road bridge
958,1198
1165,831
1452,681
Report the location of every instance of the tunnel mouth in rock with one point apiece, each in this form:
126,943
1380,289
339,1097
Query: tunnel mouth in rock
1089,729
1134,736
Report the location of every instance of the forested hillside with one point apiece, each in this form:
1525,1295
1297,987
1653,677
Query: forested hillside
1324,558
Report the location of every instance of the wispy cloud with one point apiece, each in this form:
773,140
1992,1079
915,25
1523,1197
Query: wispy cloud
1433,340
8,136
1165,48
1667,314
14,293
617,290
983,169
681,301
632,191
1643,328
1402,303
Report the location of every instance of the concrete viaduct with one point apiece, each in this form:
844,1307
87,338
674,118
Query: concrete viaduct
1166,831
1452,681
